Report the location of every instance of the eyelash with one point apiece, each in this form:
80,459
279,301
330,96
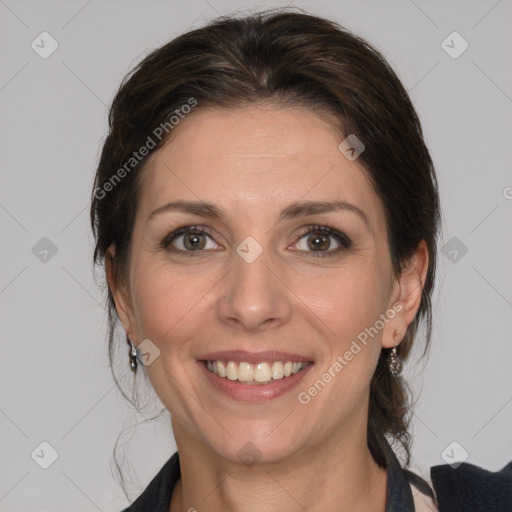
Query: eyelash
341,238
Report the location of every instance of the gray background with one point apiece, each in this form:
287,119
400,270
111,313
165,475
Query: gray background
55,384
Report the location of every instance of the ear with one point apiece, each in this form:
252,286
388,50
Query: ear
120,292
409,287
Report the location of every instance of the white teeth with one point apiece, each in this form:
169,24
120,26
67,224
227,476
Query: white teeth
231,371
277,370
221,369
245,372
261,372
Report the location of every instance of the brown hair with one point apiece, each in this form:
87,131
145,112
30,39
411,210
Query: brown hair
292,59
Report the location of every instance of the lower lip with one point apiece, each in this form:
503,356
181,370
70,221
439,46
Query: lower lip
254,392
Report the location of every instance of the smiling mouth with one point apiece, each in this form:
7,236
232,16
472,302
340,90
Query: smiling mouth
260,373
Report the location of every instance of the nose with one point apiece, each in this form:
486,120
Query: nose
254,296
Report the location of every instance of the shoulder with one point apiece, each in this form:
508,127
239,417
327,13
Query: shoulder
422,502
156,497
471,488
422,493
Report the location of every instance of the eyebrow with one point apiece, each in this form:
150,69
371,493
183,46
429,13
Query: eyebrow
294,210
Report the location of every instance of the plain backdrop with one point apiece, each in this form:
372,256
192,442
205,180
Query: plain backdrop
58,403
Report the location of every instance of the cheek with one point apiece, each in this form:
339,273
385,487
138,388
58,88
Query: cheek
347,300
348,304
167,302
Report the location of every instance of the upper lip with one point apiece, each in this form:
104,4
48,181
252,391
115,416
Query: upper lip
254,357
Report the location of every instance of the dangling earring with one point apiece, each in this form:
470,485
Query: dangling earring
395,366
132,355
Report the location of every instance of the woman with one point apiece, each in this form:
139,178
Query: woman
267,213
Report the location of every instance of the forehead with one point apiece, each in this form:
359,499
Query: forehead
256,160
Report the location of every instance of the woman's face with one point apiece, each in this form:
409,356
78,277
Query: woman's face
255,281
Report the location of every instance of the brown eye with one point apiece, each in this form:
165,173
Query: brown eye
320,239
194,241
189,239
318,242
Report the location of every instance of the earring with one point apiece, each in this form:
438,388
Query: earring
395,366
132,353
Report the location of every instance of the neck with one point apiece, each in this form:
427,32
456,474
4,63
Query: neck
335,475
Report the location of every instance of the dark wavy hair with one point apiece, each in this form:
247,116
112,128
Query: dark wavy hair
286,58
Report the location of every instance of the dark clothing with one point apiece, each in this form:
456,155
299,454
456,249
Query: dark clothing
467,488
473,489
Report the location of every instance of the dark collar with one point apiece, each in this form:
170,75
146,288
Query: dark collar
399,494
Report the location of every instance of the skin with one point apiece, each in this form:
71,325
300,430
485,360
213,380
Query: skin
253,162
